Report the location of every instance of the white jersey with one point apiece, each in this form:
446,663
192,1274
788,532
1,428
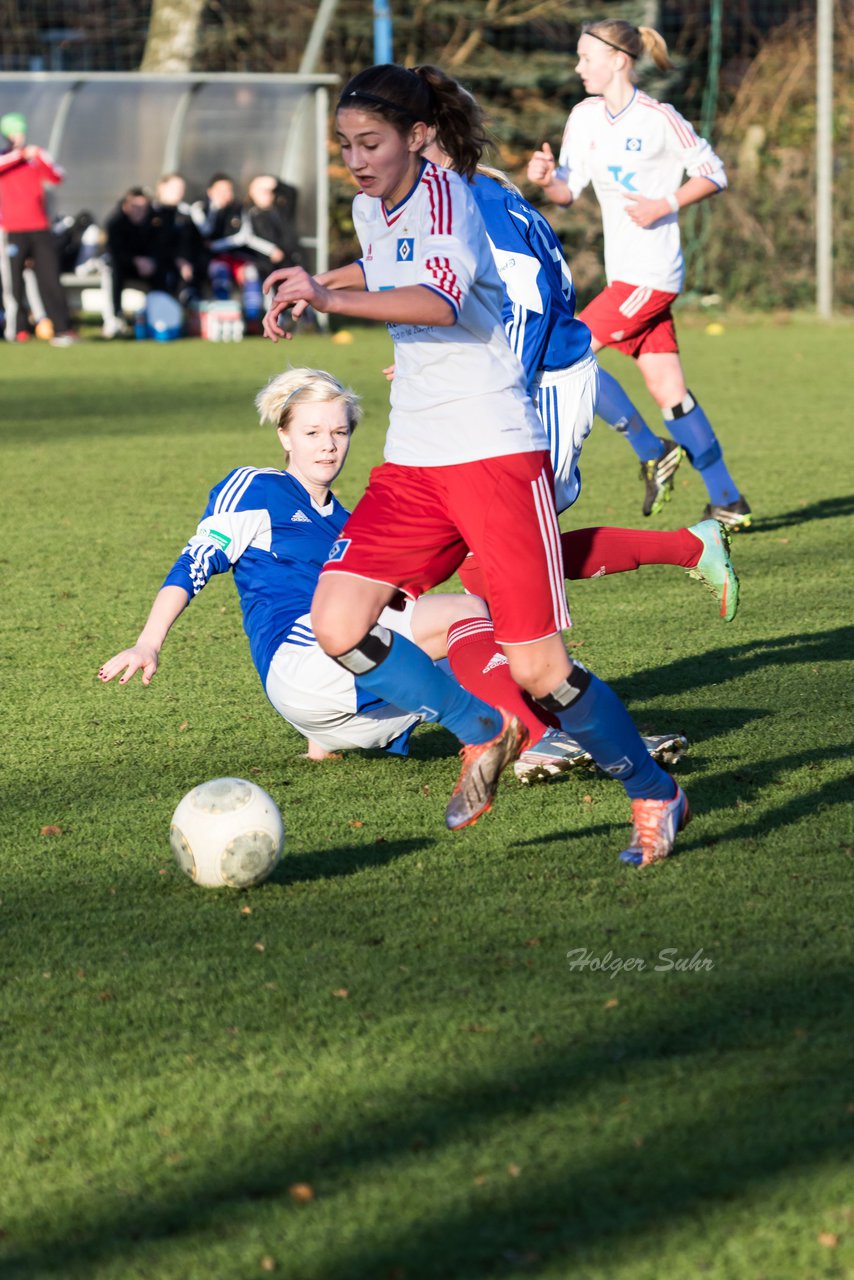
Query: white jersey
458,392
645,149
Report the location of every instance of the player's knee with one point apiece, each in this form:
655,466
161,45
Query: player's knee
570,689
366,654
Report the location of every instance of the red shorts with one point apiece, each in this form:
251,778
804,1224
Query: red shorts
632,318
414,526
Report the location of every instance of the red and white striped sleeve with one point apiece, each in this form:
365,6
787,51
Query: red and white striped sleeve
449,221
698,158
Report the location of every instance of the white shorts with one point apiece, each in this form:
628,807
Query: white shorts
318,697
566,400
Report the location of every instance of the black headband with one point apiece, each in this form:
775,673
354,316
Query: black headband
585,31
376,101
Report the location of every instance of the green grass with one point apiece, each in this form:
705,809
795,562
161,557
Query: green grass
174,1060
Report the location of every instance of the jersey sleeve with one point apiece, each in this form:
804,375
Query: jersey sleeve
572,165
232,522
448,255
698,158
527,303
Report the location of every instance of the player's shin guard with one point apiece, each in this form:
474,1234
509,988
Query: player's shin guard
690,427
391,667
595,717
617,410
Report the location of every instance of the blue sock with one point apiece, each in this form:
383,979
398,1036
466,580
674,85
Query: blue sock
617,410
690,427
602,725
408,679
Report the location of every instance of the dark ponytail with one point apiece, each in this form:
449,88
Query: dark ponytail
460,128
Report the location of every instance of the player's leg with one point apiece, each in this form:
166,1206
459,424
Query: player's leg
46,265
520,557
617,318
399,539
689,426
459,628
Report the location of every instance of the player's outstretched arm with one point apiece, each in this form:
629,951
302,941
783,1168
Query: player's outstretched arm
169,604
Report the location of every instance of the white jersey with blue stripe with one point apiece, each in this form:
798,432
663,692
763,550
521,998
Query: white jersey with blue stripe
539,297
264,526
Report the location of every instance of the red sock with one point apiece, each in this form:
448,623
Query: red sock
591,553
482,668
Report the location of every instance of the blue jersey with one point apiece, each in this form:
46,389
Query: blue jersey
539,298
267,528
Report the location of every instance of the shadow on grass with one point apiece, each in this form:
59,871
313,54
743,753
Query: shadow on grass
729,1127
343,860
825,509
718,666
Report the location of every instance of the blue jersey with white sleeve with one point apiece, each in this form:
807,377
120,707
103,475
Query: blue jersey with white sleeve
539,297
266,527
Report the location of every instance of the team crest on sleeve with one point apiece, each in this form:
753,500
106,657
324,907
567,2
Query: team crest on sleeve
633,144
405,248
338,550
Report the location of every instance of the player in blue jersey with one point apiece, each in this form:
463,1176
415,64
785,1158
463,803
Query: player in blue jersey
273,529
467,462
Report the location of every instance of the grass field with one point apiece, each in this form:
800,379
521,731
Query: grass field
395,1021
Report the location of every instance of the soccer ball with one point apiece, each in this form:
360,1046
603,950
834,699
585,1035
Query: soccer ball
227,832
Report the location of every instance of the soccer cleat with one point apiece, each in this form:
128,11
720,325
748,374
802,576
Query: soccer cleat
737,515
67,339
655,827
658,475
714,567
557,752
482,766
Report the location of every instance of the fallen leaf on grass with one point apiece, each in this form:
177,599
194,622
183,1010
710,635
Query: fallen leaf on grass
514,1170
354,822
246,911
301,1192
267,1263
260,946
828,1239
342,993
612,1003
51,831
532,942
586,799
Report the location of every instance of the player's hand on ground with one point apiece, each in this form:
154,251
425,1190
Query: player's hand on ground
141,657
541,166
643,211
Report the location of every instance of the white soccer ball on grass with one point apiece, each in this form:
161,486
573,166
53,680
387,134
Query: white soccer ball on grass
227,832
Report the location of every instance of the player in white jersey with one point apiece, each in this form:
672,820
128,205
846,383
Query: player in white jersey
635,151
467,463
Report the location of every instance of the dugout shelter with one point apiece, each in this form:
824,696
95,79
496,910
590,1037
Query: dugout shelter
111,131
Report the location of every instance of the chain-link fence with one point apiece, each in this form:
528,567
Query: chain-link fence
745,75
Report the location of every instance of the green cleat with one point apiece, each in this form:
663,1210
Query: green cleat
658,476
714,567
